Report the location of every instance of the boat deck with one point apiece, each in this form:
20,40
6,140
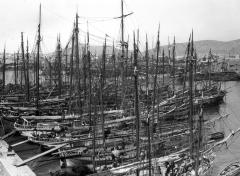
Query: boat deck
8,160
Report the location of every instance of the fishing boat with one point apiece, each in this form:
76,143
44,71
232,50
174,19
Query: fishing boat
231,170
212,99
27,129
148,126
216,136
67,123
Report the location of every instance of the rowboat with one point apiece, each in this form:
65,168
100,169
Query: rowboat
216,136
231,170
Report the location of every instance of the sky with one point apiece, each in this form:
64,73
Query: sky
210,20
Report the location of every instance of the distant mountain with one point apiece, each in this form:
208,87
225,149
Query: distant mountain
203,47
94,49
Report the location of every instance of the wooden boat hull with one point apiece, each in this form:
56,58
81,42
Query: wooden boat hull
212,100
216,136
231,170
10,118
99,162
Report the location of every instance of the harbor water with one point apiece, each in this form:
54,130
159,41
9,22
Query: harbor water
231,152
224,155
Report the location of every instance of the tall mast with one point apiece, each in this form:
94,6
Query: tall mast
4,68
195,70
34,70
115,75
186,63
136,99
102,82
15,69
147,62
163,62
66,63
77,63
155,81
149,127
71,72
200,120
209,68
50,74
37,61
84,60
169,49
89,80
94,135
169,54
21,75
23,63
191,98
122,46
27,74
126,59
104,62
122,28
123,65
92,121
173,55
59,66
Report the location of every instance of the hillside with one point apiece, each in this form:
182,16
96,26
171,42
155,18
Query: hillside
203,47
217,47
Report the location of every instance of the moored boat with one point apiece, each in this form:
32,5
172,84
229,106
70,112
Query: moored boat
231,170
